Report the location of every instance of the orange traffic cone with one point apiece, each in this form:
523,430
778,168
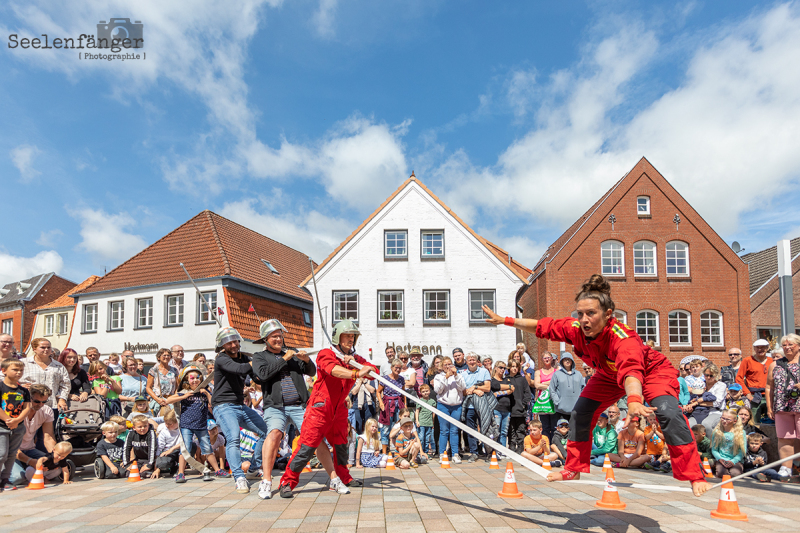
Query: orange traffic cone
510,489
727,507
610,499
37,481
133,475
546,465
707,469
390,462
306,468
445,460
493,464
606,464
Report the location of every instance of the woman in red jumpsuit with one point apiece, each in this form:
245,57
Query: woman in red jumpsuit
624,366
326,413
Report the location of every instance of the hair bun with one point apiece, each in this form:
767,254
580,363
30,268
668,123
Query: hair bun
596,283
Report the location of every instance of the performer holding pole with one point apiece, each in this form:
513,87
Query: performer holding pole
624,365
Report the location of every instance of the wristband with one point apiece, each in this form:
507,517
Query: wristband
355,374
509,321
634,398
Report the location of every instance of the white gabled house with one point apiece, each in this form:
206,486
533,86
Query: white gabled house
414,274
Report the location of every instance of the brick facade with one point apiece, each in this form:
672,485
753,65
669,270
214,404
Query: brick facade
23,312
718,279
765,306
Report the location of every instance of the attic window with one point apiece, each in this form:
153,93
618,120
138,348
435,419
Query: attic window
269,266
643,205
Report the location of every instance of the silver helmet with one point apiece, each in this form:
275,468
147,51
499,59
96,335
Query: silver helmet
345,326
226,335
268,327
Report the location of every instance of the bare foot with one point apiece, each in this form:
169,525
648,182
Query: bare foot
700,487
559,476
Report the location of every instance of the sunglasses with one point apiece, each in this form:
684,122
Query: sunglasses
501,367
733,354
38,402
709,375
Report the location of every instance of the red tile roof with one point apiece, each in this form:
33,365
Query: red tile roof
238,303
516,267
211,246
65,300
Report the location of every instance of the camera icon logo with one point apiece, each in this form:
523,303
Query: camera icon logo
118,29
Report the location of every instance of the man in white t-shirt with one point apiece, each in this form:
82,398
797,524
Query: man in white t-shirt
41,416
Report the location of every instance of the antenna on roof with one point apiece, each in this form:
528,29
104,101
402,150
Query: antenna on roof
737,247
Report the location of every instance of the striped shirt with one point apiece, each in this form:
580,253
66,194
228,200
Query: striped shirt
289,391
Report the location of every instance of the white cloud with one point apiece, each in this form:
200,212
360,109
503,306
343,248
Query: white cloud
310,232
22,156
325,17
48,238
105,237
14,268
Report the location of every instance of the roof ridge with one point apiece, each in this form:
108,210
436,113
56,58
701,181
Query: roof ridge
217,240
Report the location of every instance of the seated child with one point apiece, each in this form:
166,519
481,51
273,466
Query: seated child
142,407
703,443
728,445
696,383
656,449
756,457
123,426
247,445
425,420
407,444
217,457
630,447
405,412
110,449
53,463
735,398
537,446
109,387
369,452
140,446
604,440
169,445
559,446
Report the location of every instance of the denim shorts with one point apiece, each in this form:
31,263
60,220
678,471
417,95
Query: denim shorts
279,417
202,437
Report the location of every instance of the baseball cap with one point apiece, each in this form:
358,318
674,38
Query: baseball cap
139,398
561,422
634,419
457,350
761,342
603,415
210,425
734,386
405,420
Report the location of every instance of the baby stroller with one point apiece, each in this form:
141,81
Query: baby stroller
80,425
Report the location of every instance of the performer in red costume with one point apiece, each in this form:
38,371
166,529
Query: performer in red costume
326,413
624,365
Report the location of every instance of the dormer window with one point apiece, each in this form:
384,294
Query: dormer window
643,205
270,267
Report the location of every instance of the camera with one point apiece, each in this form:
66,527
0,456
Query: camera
117,29
792,394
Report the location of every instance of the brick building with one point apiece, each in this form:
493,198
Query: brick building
19,299
673,278
765,316
147,303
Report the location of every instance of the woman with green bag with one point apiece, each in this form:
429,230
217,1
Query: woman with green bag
543,406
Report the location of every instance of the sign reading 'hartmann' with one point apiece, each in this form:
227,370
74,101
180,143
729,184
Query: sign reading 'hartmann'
139,347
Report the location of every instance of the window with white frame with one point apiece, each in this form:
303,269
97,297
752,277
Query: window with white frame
437,306
644,258
643,205
8,326
63,323
432,243
90,318
477,299
206,316
395,244
49,321
345,306
390,306
612,258
680,328
175,310
621,316
711,328
144,313
677,258
647,326
116,315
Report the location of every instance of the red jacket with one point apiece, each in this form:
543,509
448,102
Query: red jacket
752,374
618,352
328,387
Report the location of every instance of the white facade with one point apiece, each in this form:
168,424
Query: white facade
363,267
152,318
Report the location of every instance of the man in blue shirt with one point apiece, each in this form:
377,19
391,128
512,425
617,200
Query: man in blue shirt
478,382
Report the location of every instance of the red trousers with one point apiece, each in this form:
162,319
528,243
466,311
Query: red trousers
660,390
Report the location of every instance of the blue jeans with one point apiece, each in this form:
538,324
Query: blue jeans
18,470
279,417
502,419
426,438
472,423
231,417
202,438
447,431
385,430
770,473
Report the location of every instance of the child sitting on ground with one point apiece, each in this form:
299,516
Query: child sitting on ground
369,452
756,457
217,457
425,420
53,463
559,445
122,425
728,445
109,451
735,398
537,446
407,445
405,412
703,443
604,439
169,445
630,447
140,446
659,454
142,407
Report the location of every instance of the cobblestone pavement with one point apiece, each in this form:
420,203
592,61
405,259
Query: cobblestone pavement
462,499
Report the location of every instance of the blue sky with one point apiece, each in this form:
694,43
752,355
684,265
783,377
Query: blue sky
299,118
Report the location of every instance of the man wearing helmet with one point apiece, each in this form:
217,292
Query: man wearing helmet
231,368
281,373
326,415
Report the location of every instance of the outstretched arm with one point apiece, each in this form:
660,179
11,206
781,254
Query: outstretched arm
525,324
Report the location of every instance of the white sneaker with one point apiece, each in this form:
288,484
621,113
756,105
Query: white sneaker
457,459
254,474
265,490
242,486
338,487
